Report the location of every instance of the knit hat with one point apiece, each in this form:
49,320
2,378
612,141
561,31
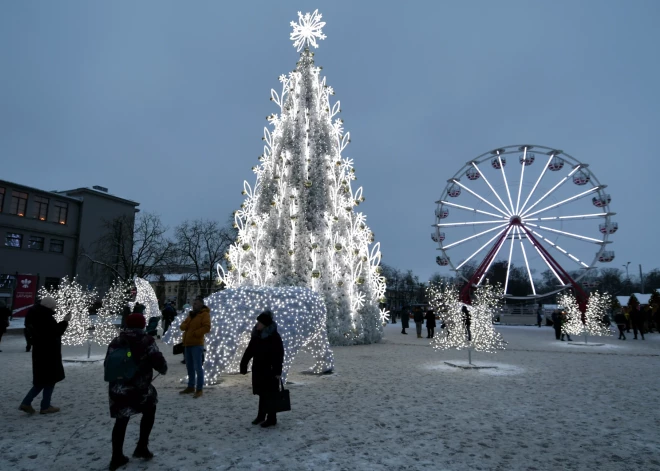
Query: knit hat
49,302
266,318
135,321
139,308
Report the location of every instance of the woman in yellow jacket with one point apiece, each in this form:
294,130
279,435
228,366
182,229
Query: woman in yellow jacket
196,325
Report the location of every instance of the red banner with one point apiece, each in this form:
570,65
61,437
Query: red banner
24,294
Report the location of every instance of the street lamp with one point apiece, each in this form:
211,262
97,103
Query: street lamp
627,276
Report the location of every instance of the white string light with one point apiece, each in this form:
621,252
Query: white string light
445,300
300,314
297,226
596,309
72,298
112,305
146,296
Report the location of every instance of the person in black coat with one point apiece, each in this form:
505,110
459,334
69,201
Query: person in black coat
137,395
467,321
620,319
47,368
5,314
267,351
405,321
430,324
637,320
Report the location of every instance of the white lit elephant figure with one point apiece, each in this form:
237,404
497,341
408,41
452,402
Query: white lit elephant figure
299,313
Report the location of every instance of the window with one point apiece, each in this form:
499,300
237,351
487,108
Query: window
36,243
61,211
14,240
18,203
56,245
2,198
40,209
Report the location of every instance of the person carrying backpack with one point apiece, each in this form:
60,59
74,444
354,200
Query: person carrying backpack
129,365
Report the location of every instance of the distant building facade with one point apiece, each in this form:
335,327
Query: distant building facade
45,234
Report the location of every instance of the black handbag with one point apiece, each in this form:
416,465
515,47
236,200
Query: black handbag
283,400
177,349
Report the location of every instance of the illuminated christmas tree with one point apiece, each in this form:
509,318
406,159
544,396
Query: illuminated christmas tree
112,304
481,335
297,225
146,296
72,298
597,307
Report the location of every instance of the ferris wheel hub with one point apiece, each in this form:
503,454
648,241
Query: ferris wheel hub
515,220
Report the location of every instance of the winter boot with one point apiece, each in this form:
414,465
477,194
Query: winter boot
142,451
118,462
269,422
50,410
198,393
259,419
188,390
27,408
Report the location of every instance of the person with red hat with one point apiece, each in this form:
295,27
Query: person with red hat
135,395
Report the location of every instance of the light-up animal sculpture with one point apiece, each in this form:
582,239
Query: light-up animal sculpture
299,313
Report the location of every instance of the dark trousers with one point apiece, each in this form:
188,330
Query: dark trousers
557,331
119,431
34,392
637,327
28,340
166,325
469,332
622,328
267,406
430,331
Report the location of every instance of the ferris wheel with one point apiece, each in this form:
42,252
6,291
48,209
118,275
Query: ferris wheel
521,210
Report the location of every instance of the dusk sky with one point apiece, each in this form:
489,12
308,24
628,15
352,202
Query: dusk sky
164,102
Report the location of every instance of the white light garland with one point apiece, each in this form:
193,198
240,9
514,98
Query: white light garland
146,296
297,225
72,298
597,307
300,315
444,298
112,305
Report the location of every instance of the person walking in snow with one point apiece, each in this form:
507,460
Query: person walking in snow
430,324
556,323
620,320
418,317
563,320
47,368
169,313
5,314
637,321
539,316
136,395
405,321
467,321
267,352
195,327
27,331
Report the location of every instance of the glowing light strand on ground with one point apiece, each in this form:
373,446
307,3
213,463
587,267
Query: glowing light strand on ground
72,298
300,314
297,225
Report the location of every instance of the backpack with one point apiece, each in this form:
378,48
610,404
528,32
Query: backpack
120,365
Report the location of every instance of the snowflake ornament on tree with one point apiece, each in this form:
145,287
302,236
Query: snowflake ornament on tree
72,298
307,30
298,225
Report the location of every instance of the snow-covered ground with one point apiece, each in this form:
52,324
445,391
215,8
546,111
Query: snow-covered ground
393,405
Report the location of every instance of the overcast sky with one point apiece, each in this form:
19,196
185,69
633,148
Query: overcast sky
164,102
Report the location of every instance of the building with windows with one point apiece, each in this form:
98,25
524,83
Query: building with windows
45,234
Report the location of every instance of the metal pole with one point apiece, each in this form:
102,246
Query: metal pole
89,347
470,356
641,277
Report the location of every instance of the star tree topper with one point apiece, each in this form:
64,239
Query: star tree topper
308,28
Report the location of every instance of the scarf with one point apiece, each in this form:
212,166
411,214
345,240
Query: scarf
266,332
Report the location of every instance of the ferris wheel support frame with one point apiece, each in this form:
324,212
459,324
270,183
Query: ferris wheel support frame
480,272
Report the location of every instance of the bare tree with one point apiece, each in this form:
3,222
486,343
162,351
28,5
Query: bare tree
129,248
202,244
